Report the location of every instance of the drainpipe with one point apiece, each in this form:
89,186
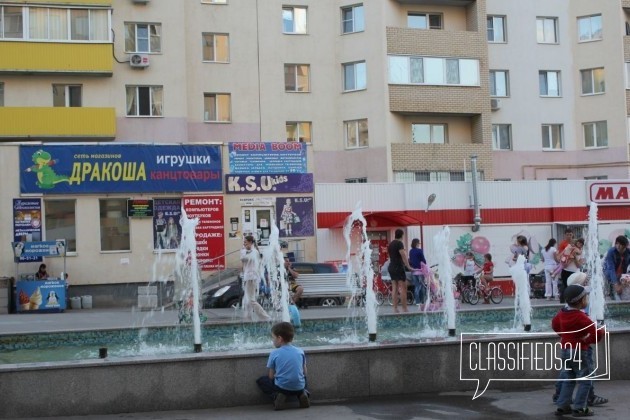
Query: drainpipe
477,218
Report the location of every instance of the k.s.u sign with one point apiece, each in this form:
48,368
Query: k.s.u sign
276,183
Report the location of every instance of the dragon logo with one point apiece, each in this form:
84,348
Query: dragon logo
46,176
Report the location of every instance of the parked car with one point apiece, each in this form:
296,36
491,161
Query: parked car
230,295
227,296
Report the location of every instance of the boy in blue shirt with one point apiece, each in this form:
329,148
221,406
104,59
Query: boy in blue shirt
287,369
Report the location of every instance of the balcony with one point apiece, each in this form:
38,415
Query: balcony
57,123
19,57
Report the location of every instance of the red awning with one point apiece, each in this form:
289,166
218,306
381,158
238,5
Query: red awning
374,219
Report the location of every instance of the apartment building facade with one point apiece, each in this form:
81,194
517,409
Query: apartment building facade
376,90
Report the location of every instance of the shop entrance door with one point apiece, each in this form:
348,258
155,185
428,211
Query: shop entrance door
257,222
378,241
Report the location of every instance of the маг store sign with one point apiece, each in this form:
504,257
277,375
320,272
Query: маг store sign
610,193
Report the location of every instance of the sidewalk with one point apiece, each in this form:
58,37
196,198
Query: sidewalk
96,319
494,404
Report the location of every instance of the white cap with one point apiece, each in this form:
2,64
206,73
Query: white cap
577,278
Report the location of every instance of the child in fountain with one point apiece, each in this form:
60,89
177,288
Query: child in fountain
577,332
287,369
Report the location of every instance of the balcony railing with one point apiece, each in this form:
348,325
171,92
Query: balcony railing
25,57
57,123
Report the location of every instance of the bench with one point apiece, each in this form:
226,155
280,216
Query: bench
326,285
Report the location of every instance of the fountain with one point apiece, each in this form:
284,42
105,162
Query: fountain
522,304
594,264
186,268
363,254
440,244
273,263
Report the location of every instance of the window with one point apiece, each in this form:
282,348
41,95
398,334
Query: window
502,136
299,131
547,30
114,224
11,22
552,137
352,19
595,134
216,47
593,81
67,95
54,24
297,78
549,83
499,83
595,177
1,94
214,1
424,20
144,101
496,29
433,71
627,75
143,37
435,176
61,222
590,28
356,133
354,76
362,180
428,133
294,20
217,107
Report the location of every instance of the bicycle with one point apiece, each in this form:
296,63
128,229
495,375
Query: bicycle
493,294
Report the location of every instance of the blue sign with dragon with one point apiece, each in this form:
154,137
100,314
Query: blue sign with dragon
128,168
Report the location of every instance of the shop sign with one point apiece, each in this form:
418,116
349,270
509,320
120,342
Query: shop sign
119,168
260,184
27,225
210,229
267,158
610,193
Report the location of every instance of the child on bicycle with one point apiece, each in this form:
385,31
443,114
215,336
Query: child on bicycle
470,269
486,275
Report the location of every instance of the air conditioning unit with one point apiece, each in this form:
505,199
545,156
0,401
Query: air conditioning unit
139,60
495,104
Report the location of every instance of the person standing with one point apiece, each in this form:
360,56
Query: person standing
616,263
568,240
571,260
250,257
549,257
397,263
416,258
41,274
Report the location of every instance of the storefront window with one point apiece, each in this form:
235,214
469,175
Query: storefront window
61,222
114,224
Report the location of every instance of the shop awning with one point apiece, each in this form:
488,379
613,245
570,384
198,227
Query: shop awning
374,219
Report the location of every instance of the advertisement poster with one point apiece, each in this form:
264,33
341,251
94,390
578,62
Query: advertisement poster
210,230
267,158
119,168
43,296
32,250
27,224
139,208
167,230
260,184
295,216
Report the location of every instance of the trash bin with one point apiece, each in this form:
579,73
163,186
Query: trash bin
86,302
75,302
